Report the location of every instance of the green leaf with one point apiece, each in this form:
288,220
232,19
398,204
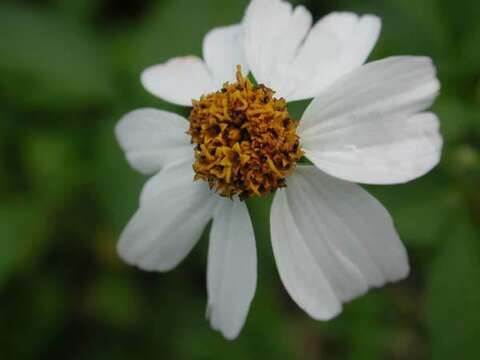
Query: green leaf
53,166
177,27
428,199
366,312
115,300
118,186
460,19
172,28
297,108
49,62
458,118
408,26
453,297
22,227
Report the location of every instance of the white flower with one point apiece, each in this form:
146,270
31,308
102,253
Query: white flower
332,241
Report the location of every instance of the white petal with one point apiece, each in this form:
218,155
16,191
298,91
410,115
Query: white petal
273,32
178,172
179,80
337,44
357,36
232,268
298,61
299,270
332,241
151,138
366,128
222,51
170,220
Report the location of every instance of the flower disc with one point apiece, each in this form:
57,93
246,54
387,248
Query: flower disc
246,142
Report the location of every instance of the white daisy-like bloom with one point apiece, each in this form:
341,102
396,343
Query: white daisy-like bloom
332,241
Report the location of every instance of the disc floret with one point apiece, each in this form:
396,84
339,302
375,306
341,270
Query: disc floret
245,141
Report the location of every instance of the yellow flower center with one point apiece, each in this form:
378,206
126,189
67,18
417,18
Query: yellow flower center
246,142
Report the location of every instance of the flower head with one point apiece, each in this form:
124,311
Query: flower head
246,142
332,241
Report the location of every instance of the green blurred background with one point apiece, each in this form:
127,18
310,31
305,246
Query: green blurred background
70,68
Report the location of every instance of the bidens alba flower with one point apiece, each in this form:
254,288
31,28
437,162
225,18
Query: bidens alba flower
332,241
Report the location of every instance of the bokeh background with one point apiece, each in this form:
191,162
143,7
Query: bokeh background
70,68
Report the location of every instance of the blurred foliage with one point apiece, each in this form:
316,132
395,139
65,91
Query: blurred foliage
69,69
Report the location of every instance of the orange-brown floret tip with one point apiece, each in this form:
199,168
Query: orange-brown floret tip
246,142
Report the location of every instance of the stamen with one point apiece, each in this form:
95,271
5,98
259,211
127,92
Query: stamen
246,142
